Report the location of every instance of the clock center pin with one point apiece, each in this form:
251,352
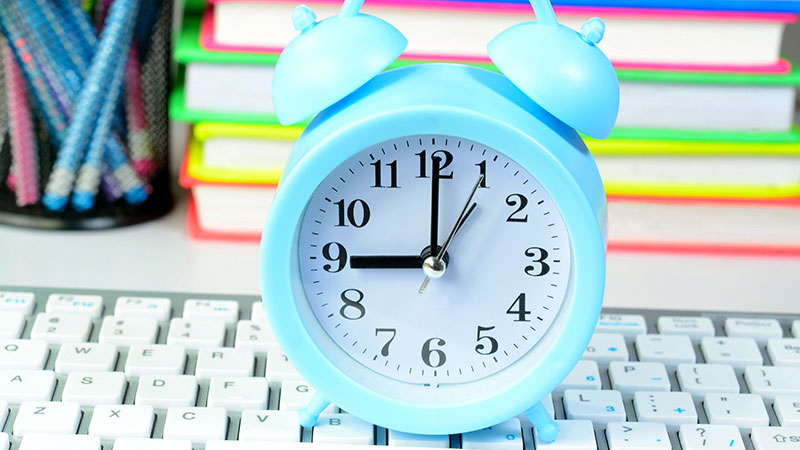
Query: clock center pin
433,268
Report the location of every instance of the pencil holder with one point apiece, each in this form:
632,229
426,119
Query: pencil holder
84,132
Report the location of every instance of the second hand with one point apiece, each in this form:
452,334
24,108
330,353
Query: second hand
433,267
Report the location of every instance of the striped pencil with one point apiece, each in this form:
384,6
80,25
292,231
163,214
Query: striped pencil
138,133
119,24
24,152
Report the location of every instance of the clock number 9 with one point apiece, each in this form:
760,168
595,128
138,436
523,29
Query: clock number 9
523,202
340,258
350,209
352,304
492,342
423,163
539,267
427,352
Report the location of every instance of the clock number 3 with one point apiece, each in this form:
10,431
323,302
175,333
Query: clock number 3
385,348
427,352
349,305
539,267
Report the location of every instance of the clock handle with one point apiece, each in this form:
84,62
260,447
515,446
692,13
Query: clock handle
310,413
546,427
350,8
544,12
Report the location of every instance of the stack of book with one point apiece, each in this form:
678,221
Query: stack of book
705,155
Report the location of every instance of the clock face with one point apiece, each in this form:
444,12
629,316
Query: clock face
372,223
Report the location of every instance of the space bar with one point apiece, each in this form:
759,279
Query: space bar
261,445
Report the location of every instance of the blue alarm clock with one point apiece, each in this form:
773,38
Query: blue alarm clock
434,258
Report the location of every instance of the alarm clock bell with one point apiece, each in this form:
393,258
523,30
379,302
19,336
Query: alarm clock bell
561,70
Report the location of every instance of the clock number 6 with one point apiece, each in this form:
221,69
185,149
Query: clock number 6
385,348
340,258
427,352
492,342
539,267
352,304
350,209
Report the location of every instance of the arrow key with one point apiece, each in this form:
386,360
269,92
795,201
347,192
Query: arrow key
637,436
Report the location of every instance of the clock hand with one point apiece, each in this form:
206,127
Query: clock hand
386,262
435,178
433,267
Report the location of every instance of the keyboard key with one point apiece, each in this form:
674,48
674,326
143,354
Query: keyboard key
279,369
668,349
297,393
281,426
60,328
585,375
166,391
759,329
153,444
775,438
784,351
4,444
23,354
741,410
18,386
694,327
547,402
195,424
628,325
115,421
256,336
147,307
706,437
257,312
604,348
600,407
342,429
48,441
22,302
701,379
504,436
3,414
94,388
572,435
91,305
225,362
47,417
670,408
12,325
155,360
637,436
128,330
769,381
218,310
86,357
400,439
238,394
195,334
787,410
739,352
629,377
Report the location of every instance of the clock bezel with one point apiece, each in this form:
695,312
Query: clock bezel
340,135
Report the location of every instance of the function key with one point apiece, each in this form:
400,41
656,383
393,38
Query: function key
23,302
628,325
91,305
694,327
158,308
759,329
223,310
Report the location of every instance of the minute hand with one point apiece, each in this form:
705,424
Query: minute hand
462,217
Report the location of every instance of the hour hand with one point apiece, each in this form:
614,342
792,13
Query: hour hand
386,262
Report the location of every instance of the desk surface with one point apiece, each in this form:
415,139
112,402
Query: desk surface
159,256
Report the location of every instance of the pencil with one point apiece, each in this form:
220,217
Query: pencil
23,144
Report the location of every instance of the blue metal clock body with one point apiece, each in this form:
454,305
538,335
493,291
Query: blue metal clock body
442,100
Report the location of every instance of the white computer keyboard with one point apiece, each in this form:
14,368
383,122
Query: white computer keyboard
85,370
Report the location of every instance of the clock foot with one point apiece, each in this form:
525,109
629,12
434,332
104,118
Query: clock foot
310,413
546,427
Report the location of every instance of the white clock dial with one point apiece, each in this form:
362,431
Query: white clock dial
507,268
